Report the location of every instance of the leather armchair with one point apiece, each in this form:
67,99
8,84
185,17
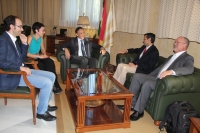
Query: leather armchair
168,89
65,63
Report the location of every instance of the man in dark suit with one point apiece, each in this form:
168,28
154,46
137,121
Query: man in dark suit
12,57
81,49
180,63
145,61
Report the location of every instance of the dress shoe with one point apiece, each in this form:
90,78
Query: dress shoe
52,108
122,107
136,115
57,90
46,116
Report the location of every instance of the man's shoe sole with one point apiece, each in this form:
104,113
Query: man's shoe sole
138,118
122,107
57,92
52,119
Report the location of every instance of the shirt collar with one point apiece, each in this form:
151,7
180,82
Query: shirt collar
12,37
147,47
79,39
179,53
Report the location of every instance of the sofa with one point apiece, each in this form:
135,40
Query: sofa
168,89
65,63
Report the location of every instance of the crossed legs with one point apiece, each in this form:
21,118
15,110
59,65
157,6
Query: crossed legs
122,70
43,80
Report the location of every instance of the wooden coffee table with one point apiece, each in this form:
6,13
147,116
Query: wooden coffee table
195,125
90,93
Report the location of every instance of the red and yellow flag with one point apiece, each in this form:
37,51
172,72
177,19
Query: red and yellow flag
103,23
108,39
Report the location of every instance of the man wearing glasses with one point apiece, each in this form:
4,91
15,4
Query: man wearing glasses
180,63
12,57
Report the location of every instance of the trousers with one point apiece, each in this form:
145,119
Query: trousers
147,83
47,64
43,80
84,61
122,70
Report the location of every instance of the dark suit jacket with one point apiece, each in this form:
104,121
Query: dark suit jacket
148,61
9,59
72,44
183,65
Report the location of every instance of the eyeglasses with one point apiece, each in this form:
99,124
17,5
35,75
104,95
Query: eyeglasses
179,42
20,26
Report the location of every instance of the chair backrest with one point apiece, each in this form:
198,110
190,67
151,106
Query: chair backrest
160,61
2,29
27,30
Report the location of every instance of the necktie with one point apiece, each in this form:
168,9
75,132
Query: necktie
83,49
144,51
16,48
171,60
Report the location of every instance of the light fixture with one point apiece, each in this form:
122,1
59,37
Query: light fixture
83,20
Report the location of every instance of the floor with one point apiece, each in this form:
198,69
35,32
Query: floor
16,117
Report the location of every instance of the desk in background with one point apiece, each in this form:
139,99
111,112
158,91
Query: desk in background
50,43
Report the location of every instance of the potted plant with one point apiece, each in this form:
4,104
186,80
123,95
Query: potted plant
54,29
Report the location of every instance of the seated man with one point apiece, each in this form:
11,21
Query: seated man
180,63
147,58
13,56
81,49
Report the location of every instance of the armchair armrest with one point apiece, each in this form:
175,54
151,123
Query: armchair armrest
103,60
61,58
8,71
32,62
171,85
125,58
64,63
59,54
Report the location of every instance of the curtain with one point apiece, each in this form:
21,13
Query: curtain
179,18
30,11
132,15
48,12
9,7
70,10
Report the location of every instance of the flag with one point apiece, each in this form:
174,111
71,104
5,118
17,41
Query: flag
103,23
110,28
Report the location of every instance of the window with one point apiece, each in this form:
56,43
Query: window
72,9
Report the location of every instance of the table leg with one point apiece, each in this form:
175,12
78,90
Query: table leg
68,83
81,113
127,108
